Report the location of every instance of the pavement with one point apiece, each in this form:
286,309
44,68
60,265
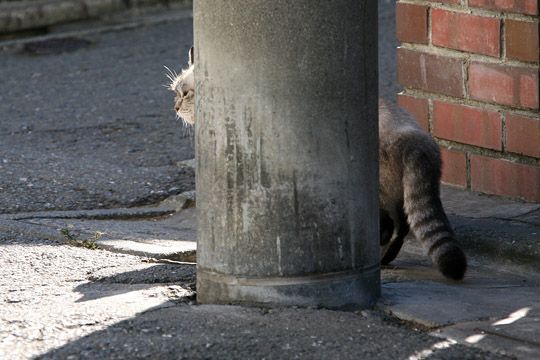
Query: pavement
35,16
97,226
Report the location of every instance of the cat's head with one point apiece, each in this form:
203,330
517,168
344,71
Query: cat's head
183,85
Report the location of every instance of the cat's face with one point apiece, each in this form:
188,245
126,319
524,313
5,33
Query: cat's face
183,86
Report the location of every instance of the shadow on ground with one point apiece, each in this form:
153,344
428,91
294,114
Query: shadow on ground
217,332
179,275
177,329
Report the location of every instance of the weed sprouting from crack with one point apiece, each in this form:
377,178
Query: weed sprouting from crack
73,239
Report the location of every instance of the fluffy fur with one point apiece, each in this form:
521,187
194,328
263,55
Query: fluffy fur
409,177
410,170
183,86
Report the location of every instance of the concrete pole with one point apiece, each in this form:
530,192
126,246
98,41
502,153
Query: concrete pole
286,145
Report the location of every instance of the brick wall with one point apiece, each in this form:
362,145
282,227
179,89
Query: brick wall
470,71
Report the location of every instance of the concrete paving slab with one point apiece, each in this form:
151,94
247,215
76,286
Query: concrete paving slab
175,250
532,217
498,307
414,291
499,240
469,204
434,304
516,335
159,233
522,324
177,226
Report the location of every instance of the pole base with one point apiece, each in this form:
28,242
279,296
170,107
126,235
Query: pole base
340,290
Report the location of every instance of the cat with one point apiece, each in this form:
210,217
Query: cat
183,85
409,177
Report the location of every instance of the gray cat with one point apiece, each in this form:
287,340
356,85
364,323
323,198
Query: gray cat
409,175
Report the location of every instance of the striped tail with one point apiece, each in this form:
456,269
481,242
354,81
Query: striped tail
422,204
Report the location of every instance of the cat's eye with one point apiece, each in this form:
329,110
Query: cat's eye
182,93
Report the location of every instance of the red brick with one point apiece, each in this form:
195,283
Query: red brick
505,85
429,72
418,108
519,6
451,2
521,38
502,177
454,171
412,23
468,125
523,135
477,34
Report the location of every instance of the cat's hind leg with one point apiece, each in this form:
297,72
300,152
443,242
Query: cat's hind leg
400,230
386,227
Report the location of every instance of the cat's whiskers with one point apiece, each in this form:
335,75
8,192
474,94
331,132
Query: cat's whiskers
171,72
173,77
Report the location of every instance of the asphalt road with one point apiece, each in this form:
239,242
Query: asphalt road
93,127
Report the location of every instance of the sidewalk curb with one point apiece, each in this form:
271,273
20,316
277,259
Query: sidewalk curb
23,15
177,249
20,223
98,214
38,231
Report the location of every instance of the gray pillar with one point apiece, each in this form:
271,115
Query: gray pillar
287,144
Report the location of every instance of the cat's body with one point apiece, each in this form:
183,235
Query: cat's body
409,175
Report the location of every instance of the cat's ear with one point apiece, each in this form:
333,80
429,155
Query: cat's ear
191,55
